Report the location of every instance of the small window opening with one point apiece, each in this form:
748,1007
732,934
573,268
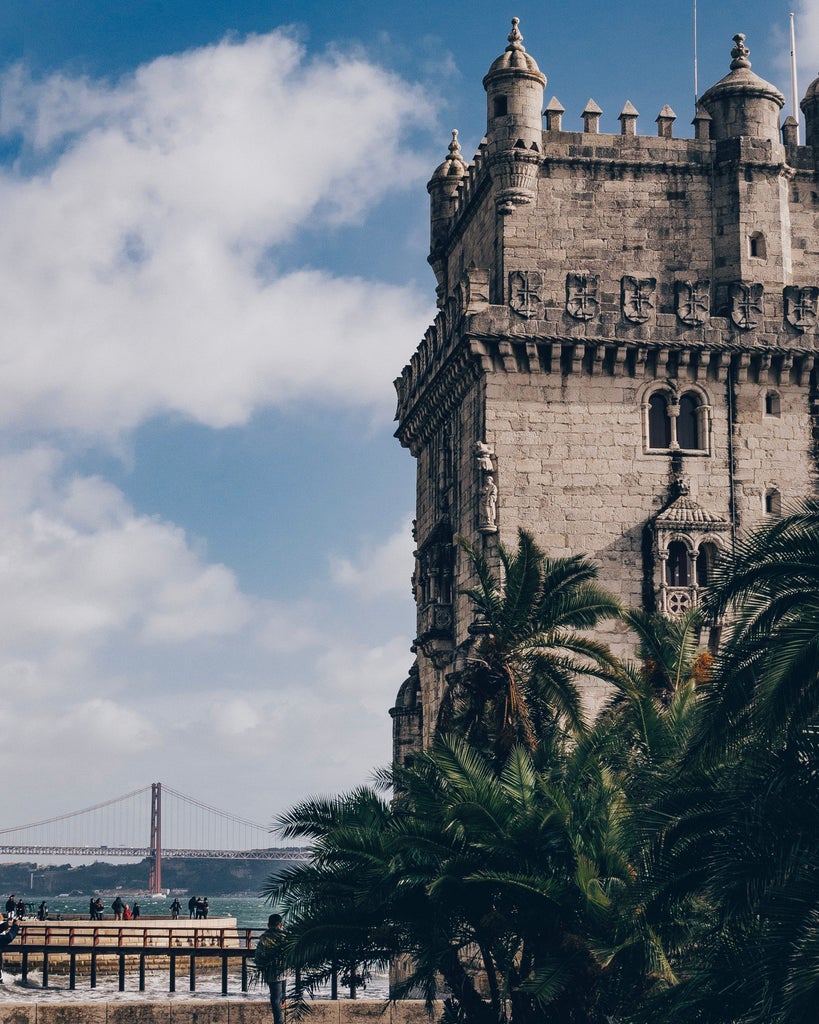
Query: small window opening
659,424
772,406
676,566
499,107
773,502
688,434
706,559
756,245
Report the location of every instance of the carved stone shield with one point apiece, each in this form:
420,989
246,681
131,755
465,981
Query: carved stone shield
581,296
746,304
692,301
525,292
635,298
801,307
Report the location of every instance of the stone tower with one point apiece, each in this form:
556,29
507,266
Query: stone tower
623,362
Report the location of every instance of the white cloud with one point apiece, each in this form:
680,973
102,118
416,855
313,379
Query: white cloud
78,564
122,646
806,26
383,569
143,226
235,717
150,259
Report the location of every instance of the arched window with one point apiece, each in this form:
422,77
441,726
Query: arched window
773,502
706,558
688,427
676,566
756,246
772,405
659,423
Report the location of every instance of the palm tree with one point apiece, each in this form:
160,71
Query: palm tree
737,859
513,877
520,677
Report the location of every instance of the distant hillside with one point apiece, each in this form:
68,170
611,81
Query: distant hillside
216,877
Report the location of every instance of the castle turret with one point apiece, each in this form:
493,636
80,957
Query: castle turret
810,108
443,189
514,96
742,103
752,243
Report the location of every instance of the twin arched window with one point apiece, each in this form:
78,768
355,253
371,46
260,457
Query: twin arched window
687,570
676,423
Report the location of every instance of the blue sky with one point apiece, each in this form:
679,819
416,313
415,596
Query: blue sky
213,265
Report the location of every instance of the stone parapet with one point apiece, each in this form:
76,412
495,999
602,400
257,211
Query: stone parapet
223,1011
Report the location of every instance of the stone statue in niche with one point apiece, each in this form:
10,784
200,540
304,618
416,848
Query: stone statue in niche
692,301
483,455
635,297
801,307
489,506
582,302
746,304
488,489
524,292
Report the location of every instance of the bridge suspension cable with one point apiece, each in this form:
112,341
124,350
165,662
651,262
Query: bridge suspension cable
75,814
136,825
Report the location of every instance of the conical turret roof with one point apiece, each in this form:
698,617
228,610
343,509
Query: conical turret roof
740,79
453,165
515,58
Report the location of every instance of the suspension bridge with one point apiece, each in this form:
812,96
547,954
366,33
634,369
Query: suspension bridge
177,826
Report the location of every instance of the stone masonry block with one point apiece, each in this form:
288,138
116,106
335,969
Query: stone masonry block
413,1011
188,1012
88,1013
249,1011
124,1013
357,1011
323,1011
18,1014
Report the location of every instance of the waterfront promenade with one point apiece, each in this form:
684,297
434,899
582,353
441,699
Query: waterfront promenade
66,956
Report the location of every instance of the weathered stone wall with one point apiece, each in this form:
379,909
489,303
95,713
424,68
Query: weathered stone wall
225,1011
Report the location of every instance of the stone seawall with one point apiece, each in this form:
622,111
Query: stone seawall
224,1011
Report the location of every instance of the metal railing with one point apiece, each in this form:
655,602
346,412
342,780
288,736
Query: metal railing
221,946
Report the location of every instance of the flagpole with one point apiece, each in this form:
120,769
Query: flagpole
696,84
794,91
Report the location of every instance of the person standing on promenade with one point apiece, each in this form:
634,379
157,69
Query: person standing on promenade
10,904
118,906
192,906
269,961
176,906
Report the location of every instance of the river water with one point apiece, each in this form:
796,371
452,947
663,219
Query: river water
249,911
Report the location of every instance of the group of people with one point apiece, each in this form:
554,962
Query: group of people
122,912
198,907
15,908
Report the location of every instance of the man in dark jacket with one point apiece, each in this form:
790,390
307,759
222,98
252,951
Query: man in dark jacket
269,961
